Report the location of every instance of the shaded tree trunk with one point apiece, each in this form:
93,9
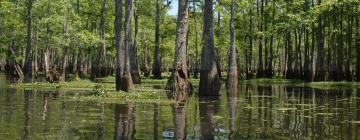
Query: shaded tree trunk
119,45
135,74
156,69
209,77
232,78
178,82
146,58
27,69
127,83
357,45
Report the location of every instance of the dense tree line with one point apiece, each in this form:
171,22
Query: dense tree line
313,40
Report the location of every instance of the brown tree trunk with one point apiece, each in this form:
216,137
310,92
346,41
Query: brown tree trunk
119,45
27,69
156,69
135,74
232,78
209,77
178,82
127,83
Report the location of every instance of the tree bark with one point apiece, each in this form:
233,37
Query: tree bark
127,83
156,69
118,44
135,74
27,69
178,82
232,78
209,77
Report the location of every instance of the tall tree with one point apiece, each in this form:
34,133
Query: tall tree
27,69
209,77
156,69
127,83
135,74
118,44
232,78
178,81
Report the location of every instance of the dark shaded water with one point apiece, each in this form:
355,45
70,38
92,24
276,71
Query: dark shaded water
255,112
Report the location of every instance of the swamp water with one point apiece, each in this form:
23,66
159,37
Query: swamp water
255,112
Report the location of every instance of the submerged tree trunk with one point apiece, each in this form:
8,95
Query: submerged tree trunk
127,83
27,69
209,77
135,74
118,44
232,78
156,69
178,82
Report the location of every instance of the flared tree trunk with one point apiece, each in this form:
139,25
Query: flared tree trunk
127,83
135,73
118,44
209,77
156,69
232,78
178,82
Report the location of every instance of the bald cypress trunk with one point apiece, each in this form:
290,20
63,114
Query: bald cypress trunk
156,69
209,77
127,83
118,44
27,69
135,73
232,78
178,81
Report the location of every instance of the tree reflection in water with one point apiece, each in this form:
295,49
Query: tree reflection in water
209,107
124,122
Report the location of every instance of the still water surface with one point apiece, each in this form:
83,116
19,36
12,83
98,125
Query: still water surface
254,112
